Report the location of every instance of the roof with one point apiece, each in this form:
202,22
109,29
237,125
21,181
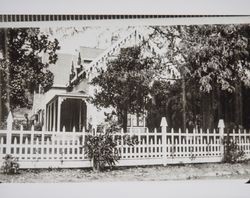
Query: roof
132,37
62,68
71,95
88,53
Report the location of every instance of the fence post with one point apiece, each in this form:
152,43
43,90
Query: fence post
164,125
83,135
9,133
221,127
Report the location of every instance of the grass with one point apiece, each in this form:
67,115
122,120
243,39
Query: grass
142,173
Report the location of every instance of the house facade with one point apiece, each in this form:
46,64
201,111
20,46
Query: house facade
66,106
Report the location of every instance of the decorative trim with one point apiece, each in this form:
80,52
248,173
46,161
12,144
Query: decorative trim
83,17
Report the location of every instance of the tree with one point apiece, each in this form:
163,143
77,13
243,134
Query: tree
22,67
216,57
125,85
168,102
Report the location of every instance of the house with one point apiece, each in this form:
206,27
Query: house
65,106
59,108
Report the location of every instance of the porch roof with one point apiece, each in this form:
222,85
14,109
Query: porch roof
72,95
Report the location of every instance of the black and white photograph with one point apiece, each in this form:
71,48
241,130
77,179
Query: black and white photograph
124,102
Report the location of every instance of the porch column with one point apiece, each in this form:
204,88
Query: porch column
59,113
88,115
50,117
80,116
47,118
54,117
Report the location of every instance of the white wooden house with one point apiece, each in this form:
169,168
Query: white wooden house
58,107
66,103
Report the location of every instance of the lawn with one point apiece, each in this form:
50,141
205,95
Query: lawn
146,173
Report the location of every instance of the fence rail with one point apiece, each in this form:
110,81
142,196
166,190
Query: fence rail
43,149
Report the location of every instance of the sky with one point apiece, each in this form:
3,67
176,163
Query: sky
71,38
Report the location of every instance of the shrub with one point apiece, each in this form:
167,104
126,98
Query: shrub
232,152
3,125
10,165
38,126
101,149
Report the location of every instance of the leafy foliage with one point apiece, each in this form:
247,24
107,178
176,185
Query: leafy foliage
232,152
23,64
125,84
210,53
167,101
213,61
101,149
10,165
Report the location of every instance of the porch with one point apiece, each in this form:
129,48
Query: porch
66,112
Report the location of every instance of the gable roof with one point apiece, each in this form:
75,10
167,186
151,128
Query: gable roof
62,68
133,37
89,53
99,61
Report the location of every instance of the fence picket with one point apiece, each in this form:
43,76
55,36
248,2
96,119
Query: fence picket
43,146
1,146
53,145
73,144
32,141
66,149
36,150
139,146
15,146
48,148
233,135
78,148
26,146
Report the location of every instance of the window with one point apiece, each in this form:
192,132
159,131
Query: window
135,120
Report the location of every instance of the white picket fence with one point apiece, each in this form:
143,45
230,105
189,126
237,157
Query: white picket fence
43,149
39,149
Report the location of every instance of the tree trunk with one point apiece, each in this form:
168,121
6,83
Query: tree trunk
124,120
213,108
6,56
219,107
226,107
4,49
204,111
1,49
96,165
1,111
184,103
238,104
207,111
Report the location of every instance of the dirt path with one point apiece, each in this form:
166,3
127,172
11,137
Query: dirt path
153,173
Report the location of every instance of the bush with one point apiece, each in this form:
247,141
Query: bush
232,152
3,125
10,165
101,150
38,127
